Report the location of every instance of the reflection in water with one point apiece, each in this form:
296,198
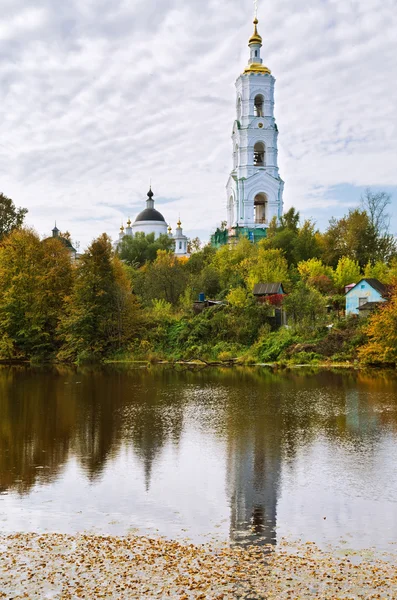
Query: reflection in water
173,450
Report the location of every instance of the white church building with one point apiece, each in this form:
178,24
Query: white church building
151,220
254,188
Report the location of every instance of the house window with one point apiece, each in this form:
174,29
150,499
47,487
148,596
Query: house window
362,301
363,287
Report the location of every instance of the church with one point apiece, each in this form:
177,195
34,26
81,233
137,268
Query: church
151,220
254,188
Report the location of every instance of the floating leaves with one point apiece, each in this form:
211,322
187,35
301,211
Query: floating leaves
91,566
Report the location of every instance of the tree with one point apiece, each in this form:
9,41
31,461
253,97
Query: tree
378,270
382,333
375,205
305,306
347,272
306,244
317,275
352,236
268,266
140,248
35,278
10,216
165,279
194,245
101,312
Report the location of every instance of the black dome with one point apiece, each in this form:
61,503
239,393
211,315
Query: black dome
150,214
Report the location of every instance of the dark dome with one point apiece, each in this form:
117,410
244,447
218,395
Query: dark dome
150,214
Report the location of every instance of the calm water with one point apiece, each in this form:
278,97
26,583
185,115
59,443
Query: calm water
239,454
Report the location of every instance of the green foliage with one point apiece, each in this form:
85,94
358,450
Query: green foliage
100,312
35,278
347,272
378,270
163,279
10,217
161,310
306,307
271,345
141,248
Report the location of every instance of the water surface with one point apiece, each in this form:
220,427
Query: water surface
240,454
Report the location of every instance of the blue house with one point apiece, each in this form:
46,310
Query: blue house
365,296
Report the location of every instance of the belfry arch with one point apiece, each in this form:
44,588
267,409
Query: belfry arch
258,105
260,208
260,154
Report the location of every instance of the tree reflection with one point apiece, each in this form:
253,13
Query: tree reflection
264,418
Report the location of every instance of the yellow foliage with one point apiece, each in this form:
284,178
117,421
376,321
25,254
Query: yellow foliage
382,333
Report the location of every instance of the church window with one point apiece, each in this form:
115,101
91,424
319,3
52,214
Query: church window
259,154
256,53
260,208
258,106
180,245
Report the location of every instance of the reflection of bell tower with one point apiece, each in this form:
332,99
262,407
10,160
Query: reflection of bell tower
254,188
254,473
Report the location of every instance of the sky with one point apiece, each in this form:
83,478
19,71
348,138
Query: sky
100,97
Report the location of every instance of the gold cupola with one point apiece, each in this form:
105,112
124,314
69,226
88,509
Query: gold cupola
255,64
255,37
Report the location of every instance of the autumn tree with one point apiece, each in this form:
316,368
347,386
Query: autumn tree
381,331
347,271
101,312
163,279
35,278
10,216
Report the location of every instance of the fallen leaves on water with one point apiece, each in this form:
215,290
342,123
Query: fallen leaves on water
92,566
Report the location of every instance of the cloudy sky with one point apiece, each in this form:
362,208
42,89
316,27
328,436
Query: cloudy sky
100,96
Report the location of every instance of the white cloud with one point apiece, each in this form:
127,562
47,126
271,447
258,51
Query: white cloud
98,97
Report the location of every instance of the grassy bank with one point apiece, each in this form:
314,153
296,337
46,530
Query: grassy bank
228,335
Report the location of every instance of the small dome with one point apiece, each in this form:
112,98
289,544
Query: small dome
255,37
150,214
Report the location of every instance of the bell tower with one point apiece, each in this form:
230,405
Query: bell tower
254,188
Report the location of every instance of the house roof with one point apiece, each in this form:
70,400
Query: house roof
375,284
369,305
267,289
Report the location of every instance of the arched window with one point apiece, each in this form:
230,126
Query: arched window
258,106
259,154
239,109
260,208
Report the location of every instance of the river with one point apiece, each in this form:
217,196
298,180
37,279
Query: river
243,454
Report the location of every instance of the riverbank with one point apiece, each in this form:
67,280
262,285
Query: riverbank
87,566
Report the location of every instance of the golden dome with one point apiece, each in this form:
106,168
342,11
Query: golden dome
257,68
255,37
122,228
129,222
169,228
179,223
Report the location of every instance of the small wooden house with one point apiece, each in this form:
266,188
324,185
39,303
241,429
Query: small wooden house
273,294
264,291
365,296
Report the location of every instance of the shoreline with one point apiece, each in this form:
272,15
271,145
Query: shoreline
278,365
54,565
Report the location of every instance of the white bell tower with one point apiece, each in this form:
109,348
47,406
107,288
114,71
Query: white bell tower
254,188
